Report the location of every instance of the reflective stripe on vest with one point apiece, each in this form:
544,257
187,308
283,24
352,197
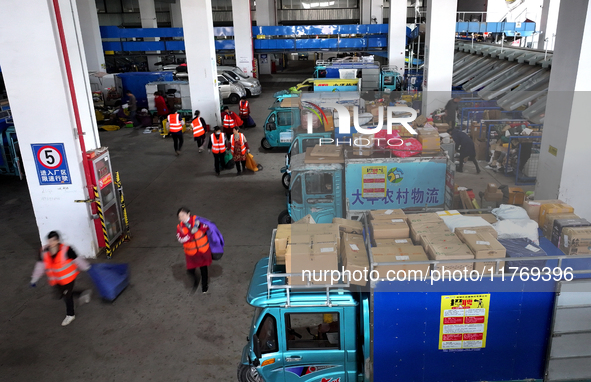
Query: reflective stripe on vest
198,129
229,121
243,108
242,145
218,145
198,243
174,123
60,269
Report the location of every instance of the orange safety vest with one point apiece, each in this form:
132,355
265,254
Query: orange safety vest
218,146
174,123
198,129
229,122
244,109
242,144
59,268
199,243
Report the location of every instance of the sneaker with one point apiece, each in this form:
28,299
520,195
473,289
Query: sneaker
85,296
205,289
200,149
68,320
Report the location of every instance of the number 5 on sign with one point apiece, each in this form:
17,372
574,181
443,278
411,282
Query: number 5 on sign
51,164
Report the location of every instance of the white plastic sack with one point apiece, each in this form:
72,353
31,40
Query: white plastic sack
508,211
517,229
461,221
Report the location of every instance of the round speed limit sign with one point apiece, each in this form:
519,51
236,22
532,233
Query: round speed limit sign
49,157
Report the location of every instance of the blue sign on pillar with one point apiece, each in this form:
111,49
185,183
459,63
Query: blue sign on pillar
51,163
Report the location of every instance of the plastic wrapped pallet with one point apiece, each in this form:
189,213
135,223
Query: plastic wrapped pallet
523,248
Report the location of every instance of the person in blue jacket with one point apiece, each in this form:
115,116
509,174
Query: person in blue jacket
465,146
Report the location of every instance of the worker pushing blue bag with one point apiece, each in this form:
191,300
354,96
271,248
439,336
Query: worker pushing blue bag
109,279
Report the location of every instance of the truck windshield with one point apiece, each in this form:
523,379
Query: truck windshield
284,118
296,191
318,183
315,331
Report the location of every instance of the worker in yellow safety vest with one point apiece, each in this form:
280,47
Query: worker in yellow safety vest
61,265
174,123
199,130
217,145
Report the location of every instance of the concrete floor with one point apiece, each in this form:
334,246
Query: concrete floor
156,330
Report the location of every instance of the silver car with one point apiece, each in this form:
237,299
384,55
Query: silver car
252,85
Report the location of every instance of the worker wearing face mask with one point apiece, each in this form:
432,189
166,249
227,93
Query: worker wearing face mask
217,145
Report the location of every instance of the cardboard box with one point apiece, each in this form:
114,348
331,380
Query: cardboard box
561,224
485,246
354,256
491,188
441,127
381,229
295,259
489,218
423,218
333,151
309,159
349,226
387,214
417,230
448,213
320,256
553,208
516,196
533,207
392,242
451,252
549,225
494,196
576,241
362,145
480,147
400,255
429,140
467,231
308,219
439,238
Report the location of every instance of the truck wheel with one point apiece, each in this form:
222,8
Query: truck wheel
265,144
234,98
248,373
285,180
284,217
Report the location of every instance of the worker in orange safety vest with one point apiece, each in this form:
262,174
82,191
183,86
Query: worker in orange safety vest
229,120
244,112
199,130
61,265
239,148
217,145
193,235
174,123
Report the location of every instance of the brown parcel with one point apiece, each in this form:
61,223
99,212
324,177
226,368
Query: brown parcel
416,230
309,159
553,208
327,151
516,196
494,196
387,214
400,255
423,218
389,230
439,238
349,226
392,242
533,207
549,225
576,241
451,252
322,256
282,237
465,231
489,218
354,256
485,246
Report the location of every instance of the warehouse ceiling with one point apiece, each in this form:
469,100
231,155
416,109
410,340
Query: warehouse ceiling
517,78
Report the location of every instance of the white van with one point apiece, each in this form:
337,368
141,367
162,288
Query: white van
252,85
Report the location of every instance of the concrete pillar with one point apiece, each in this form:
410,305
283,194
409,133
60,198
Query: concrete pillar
377,12
201,58
148,19
563,170
266,13
365,8
243,35
50,95
439,53
176,19
548,24
397,33
91,35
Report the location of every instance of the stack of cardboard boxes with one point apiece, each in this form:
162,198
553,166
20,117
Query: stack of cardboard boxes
492,196
430,140
324,154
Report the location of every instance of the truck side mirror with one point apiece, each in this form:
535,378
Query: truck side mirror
271,126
